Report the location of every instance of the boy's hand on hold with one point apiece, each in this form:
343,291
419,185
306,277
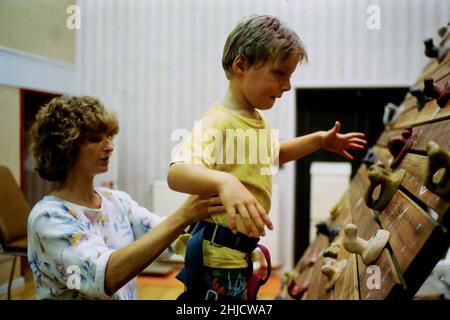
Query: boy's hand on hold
337,142
238,200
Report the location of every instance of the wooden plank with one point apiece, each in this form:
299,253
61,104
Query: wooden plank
316,290
355,194
386,135
315,284
427,114
342,210
442,70
431,111
431,67
347,286
436,131
441,73
308,272
417,242
299,278
389,279
306,276
407,118
428,70
440,76
313,250
364,219
416,168
430,254
409,102
303,270
443,113
409,226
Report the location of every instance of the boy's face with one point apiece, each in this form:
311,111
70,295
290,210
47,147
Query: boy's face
261,85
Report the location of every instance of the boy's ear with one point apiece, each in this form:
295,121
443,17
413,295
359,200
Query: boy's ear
239,65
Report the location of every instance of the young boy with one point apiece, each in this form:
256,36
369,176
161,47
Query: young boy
231,152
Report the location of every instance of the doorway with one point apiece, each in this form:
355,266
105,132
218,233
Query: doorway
34,187
358,109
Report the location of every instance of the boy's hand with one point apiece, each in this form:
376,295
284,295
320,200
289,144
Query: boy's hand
238,200
336,142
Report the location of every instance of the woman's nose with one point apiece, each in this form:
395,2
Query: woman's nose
109,145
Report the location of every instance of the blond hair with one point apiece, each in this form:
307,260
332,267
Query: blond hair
259,39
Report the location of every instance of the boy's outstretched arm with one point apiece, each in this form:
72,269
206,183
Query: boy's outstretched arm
236,199
330,140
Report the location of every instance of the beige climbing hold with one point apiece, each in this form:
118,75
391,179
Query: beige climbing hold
333,270
335,211
369,250
333,249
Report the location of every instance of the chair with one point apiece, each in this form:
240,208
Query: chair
14,211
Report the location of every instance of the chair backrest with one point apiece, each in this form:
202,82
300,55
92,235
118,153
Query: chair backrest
14,209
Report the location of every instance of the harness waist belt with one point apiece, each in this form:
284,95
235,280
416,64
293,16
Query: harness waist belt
223,236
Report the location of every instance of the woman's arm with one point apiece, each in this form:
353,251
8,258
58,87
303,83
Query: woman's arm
126,263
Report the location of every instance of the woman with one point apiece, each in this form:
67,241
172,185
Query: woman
84,242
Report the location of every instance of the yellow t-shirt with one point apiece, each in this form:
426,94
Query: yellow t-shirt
245,147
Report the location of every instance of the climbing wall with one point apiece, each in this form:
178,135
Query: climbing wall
391,227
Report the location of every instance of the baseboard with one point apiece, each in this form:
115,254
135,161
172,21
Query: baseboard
17,283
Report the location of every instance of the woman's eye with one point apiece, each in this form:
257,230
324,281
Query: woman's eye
95,138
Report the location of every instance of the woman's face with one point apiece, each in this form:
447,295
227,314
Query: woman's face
93,154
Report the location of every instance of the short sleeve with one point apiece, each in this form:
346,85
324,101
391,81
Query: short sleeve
275,150
203,146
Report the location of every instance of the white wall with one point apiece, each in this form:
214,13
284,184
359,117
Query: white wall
157,62
329,182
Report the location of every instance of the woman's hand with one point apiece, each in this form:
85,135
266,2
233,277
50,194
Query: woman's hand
200,207
336,142
238,200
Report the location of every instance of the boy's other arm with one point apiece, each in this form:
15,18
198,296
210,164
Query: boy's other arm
236,199
330,140
297,148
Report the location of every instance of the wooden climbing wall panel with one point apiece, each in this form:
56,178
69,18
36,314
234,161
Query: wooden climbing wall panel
417,219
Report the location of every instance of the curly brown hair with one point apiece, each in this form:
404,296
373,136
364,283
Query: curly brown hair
61,126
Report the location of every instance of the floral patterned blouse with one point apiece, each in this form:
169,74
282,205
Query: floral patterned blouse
69,245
